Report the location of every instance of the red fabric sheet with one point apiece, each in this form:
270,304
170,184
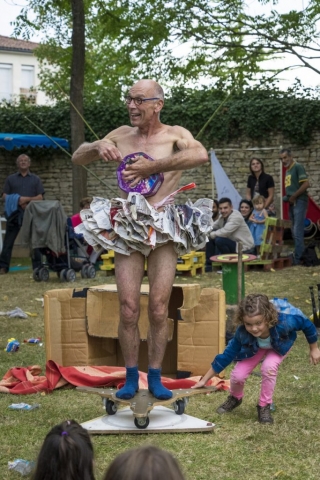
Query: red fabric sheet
27,380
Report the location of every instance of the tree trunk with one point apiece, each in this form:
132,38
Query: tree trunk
79,174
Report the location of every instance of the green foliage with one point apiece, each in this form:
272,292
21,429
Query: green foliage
178,41
252,113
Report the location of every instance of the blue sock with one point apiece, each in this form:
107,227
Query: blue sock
155,385
131,386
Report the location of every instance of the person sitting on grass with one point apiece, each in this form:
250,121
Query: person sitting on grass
66,454
266,336
144,463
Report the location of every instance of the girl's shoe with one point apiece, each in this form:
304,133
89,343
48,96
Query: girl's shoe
230,404
264,414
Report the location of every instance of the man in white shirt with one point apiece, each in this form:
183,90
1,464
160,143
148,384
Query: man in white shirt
229,229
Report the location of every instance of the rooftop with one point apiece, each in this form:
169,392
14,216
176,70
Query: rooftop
16,45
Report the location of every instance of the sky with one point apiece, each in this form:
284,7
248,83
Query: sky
10,9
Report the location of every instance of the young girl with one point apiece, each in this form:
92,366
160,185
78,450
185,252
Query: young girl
66,454
257,220
263,335
144,463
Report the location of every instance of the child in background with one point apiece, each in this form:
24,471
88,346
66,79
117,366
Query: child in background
66,454
257,220
263,335
144,463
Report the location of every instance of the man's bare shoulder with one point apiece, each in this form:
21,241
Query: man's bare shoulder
181,132
119,132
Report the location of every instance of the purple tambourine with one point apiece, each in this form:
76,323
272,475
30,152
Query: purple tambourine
146,187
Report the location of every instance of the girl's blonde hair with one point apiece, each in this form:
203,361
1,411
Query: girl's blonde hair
256,304
258,199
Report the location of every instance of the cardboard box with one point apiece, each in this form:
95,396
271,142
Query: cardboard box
81,327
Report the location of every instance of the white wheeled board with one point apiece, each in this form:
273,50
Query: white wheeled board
162,420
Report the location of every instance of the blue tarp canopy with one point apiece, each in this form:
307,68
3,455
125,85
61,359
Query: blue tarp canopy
9,141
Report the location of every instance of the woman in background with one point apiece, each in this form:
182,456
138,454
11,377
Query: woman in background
261,183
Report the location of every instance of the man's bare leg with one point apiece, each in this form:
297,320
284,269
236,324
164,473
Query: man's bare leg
129,272
162,264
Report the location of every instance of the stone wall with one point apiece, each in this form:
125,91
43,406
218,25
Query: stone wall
56,172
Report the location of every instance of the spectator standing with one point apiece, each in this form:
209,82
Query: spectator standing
296,185
19,190
261,183
210,245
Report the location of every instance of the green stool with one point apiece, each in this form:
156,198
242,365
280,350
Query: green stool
230,275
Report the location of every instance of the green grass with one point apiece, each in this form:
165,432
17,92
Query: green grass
239,447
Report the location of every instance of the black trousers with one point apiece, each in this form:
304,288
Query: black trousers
13,226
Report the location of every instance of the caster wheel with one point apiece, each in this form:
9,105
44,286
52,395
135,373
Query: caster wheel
142,422
35,275
111,407
84,269
179,407
91,271
63,275
70,275
43,274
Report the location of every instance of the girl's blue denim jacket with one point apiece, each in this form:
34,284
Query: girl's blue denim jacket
282,336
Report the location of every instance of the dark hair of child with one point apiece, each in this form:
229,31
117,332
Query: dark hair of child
66,454
256,304
144,463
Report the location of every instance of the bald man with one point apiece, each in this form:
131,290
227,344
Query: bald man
173,150
19,190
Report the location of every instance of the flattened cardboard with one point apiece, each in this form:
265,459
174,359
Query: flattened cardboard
83,331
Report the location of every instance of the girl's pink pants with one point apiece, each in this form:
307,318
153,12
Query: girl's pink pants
269,370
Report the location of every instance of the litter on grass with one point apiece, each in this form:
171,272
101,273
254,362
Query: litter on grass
23,406
16,312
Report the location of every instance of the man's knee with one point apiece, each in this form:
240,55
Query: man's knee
158,310
129,312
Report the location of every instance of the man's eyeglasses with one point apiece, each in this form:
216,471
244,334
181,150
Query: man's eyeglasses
138,101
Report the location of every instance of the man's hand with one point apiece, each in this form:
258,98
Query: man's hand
138,169
108,152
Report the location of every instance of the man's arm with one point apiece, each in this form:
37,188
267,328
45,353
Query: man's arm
23,201
300,191
106,149
89,152
227,230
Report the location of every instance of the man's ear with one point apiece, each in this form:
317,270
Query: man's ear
159,105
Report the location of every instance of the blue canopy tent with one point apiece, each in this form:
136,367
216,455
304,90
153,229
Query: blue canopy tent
9,141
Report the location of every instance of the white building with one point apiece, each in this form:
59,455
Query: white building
19,70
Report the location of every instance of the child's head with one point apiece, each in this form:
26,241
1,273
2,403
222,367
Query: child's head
259,202
253,305
66,454
144,463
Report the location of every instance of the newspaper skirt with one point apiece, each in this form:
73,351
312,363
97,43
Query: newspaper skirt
133,225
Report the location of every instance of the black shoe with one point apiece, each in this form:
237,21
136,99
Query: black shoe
264,414
230,404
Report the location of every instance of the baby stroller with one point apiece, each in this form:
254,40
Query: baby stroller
47,228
